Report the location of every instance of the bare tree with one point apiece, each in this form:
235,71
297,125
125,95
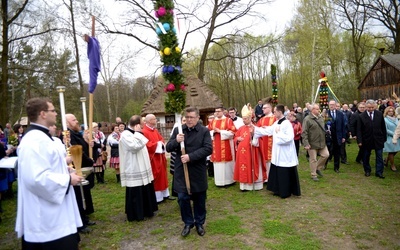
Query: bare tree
353,19
111,66
11,12
70,6
216,20
387,13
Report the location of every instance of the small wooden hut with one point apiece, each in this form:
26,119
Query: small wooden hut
383,79
197,95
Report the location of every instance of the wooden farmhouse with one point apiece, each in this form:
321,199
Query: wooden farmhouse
383,79
197,95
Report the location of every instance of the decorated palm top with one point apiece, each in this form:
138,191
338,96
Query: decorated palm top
170,55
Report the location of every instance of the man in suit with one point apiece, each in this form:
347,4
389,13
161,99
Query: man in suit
338,132
371,135
259,110
353,128
347,113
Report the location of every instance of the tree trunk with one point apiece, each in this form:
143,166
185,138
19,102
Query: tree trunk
110,114
78,67
4,64
203,57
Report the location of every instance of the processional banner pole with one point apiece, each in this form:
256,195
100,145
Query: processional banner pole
91,104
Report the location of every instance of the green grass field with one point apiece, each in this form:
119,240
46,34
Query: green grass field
341,211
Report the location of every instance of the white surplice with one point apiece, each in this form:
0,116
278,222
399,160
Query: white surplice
47,208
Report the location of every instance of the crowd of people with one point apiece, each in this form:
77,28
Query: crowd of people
258,148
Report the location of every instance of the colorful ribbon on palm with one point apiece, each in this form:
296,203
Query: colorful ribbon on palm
323,91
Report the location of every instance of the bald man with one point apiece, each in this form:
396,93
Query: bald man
77,139
156,148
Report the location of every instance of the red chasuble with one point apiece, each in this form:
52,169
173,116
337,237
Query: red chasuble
221,149
247,158
266,141
158,161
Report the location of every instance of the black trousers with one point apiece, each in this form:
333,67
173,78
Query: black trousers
334,152
343,153
69,242
360,154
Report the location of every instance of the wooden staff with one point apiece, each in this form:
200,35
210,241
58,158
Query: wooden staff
183,150
91,104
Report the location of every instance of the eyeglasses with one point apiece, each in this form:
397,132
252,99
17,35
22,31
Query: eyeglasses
50,110
190,117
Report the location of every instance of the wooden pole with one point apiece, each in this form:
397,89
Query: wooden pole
91,103
90,124
93,26
183,150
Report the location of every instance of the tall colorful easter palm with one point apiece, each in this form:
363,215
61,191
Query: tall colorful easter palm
171,56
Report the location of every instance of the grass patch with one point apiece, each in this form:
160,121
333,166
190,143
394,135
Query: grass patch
231,225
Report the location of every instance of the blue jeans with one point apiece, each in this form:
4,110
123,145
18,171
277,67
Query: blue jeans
378,161
199,208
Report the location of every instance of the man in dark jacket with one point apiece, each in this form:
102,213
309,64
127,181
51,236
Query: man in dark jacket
258,110
353,129
76,138
371,134
198,146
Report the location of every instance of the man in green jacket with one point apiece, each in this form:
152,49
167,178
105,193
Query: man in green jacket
314,141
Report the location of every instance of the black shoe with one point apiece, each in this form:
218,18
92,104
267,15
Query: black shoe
200,230
345,162
319,173
367,174
186,230
91,223
84,230
380,176
170,198
337,171
359,162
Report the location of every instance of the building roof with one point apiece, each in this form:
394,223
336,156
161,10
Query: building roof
197,95
392,59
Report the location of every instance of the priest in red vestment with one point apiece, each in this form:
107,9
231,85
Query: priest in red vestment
223,155
266,141
250,168
156,148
